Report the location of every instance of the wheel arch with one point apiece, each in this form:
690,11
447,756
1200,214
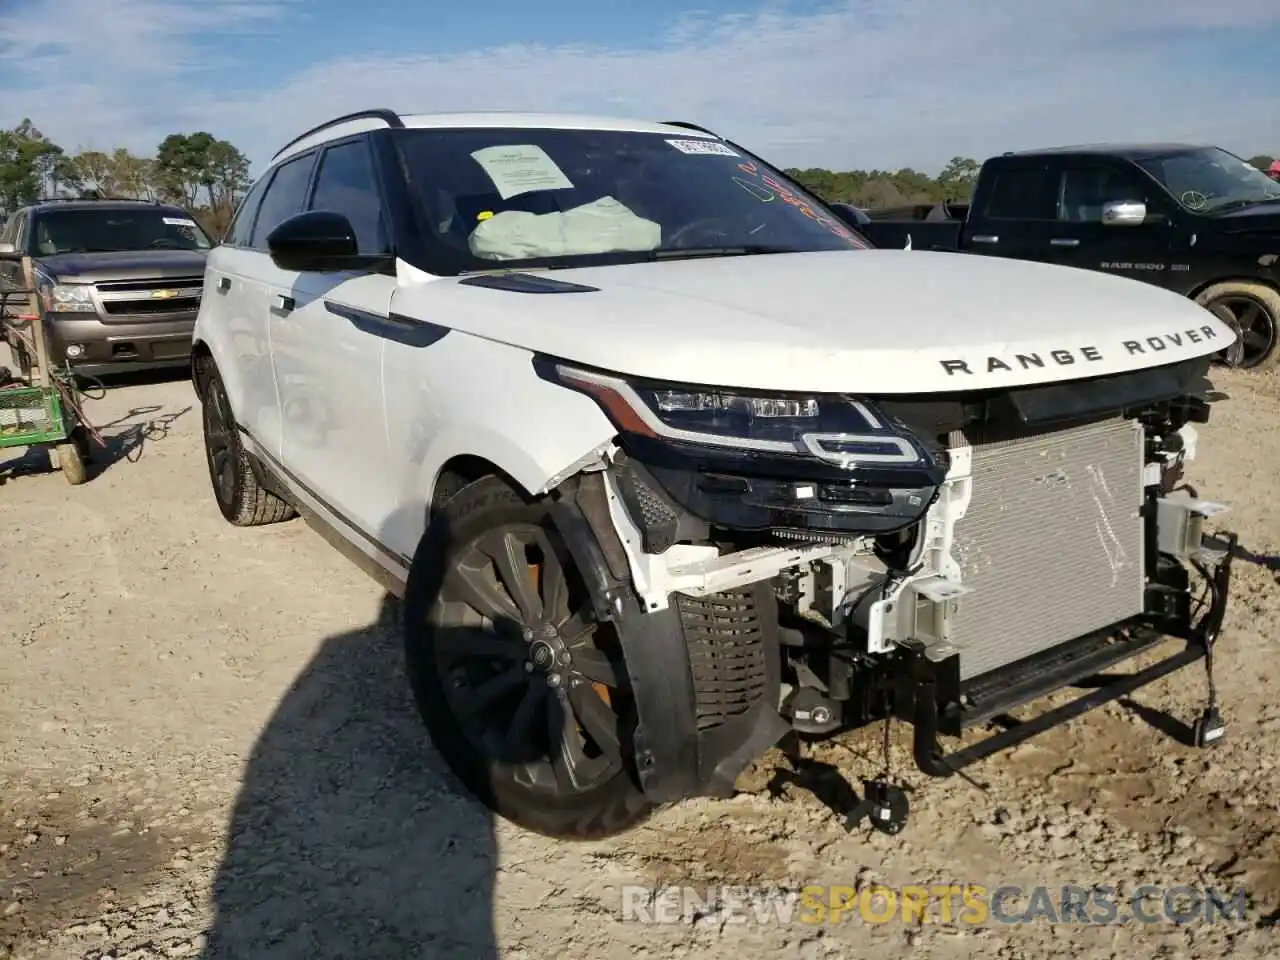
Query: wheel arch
1270,284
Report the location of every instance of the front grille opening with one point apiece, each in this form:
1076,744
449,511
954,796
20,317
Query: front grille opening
156,283
725,638
144,307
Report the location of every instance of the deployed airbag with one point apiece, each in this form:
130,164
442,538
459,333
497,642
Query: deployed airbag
602,226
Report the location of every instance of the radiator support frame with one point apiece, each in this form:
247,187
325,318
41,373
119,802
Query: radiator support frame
931,696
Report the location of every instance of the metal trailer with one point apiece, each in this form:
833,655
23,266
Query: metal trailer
41,407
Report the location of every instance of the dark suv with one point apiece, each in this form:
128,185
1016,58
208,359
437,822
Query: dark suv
118,281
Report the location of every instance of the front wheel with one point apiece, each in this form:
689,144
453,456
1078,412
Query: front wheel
524,694
1253,311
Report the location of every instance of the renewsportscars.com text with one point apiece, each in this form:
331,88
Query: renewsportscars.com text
960,904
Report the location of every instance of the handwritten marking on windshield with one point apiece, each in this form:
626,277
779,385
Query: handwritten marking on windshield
781,192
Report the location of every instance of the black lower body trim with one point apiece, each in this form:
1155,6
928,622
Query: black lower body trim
1067,666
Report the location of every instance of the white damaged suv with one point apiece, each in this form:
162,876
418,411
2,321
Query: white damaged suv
669,465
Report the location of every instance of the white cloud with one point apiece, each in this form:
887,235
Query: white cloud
881,83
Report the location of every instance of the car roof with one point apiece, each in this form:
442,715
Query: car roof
383,119
1125,151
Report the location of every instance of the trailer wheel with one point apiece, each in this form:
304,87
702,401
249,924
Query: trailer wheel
71,463
524,694
1253,311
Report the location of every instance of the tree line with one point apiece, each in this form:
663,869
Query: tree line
209,176
197,171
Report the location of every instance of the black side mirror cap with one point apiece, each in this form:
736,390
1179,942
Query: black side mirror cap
318,241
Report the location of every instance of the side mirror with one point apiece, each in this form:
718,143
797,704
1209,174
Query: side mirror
1124,213
318,241
8,252
851,215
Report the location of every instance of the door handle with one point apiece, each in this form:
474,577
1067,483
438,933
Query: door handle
284,303
1064,242
985,238
224,284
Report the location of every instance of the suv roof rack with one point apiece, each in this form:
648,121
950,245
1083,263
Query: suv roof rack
391,118
91,199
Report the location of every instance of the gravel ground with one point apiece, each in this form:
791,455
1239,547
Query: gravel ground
209,750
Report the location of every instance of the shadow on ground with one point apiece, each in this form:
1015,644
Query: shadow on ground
347,840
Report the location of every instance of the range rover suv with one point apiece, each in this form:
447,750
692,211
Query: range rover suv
118,282
634,426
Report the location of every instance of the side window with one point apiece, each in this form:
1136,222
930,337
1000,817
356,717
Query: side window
10,229
241,229
1020,193
284,197
347,184
1084,189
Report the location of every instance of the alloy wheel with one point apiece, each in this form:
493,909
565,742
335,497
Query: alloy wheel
532,680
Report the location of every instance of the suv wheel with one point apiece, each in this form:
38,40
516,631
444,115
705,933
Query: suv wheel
242,500
524,693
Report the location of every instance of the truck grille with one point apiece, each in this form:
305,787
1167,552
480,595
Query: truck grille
1052,542
152,298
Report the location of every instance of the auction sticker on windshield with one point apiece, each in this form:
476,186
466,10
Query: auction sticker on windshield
704,147
179,222
520,169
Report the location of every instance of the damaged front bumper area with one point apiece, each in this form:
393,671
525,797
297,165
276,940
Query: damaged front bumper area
755,596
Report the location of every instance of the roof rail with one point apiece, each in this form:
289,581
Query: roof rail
391,118
689,126
91,198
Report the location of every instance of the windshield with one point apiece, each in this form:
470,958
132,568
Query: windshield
109,231
1211,180
503,197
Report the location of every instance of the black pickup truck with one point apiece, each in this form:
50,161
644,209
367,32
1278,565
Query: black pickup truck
1194,219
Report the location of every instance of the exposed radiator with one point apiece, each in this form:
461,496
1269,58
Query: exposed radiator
1052,542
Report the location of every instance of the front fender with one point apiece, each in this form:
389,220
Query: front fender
465,396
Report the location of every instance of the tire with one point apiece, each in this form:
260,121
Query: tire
1253,309
241,499
71,463
480,675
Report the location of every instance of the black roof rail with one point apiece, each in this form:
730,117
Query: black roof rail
689,126
92,198
378,113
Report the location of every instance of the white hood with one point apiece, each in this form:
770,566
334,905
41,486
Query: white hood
871,321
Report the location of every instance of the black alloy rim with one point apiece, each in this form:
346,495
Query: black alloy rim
1253,323
218,446
532,680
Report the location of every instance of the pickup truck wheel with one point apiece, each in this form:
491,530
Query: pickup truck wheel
1253,310
524,694
241,499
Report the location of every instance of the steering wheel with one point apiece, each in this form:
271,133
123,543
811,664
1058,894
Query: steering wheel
1194,200
709,226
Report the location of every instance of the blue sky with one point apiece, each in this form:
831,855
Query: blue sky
844,83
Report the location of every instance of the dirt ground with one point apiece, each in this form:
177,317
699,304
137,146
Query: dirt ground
209,749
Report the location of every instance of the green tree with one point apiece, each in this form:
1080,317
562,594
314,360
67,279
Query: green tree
1262,161
959,176
29,163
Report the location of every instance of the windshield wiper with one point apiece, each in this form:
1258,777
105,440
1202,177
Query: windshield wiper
1241,204
676,253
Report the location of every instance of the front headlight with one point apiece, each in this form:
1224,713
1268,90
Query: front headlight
67,298
845,431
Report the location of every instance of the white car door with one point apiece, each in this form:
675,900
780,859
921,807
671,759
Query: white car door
238,281
327,343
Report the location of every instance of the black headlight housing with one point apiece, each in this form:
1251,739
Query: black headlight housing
821,464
